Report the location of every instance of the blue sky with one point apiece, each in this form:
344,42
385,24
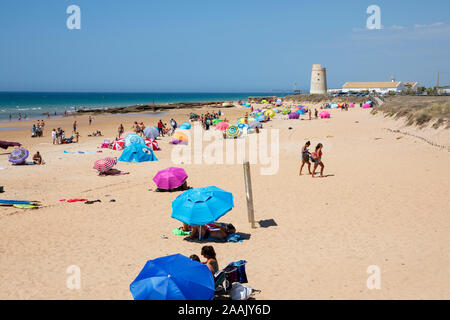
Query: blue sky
233,45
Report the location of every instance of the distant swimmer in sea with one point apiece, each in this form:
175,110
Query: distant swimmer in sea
317,159
305,157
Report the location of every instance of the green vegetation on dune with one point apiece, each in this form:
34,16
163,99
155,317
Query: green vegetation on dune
419,111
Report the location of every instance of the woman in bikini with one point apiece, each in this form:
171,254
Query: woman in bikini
317,159
305,157
211,262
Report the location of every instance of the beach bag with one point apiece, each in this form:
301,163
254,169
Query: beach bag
240,292
239,274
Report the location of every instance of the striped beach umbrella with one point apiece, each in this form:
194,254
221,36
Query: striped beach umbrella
18,155
105,164
233,132
151,143
118,144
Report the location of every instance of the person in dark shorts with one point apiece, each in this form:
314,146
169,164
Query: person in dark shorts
305,157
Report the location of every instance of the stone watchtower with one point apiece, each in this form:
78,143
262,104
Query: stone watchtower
318,80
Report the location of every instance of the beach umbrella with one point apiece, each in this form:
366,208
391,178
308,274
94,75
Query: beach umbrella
118,144
18,156
200,206
152,143
174,277
233,131
255,124
351,105
185,125
170,178
180,136
286,111
241,126
151,132
222,126
324,114
127,133
105,164
299,112
279,102
294,115
133,138
366,106
216,121
270,113
260,118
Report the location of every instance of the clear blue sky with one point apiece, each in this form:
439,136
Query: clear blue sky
211,45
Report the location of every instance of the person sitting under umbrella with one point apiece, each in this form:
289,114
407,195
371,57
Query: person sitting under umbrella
183,187
37,159
212,231
211,262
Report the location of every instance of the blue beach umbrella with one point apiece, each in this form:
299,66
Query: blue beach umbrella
151,132
185,125
173,277
133,138
243,125
200,206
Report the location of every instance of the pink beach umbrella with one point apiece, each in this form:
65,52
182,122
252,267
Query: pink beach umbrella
170,178
324,114
366,106
105,164
351,105
222,126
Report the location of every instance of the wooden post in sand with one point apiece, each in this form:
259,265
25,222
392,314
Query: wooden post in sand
248,190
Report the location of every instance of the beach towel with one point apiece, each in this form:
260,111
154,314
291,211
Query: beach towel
76,200
6,144
25,164
83,152
179,232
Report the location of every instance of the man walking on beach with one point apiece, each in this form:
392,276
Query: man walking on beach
75,126
160,128
90,120
174,126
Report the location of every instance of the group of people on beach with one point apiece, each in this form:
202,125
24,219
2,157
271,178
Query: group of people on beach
59,137
314,157
207,119
38,129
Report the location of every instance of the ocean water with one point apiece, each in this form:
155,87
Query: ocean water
36,104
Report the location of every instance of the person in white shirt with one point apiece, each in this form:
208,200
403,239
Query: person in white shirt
54,136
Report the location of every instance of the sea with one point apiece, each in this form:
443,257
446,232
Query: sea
36,105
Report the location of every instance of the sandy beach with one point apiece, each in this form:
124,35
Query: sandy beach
385,202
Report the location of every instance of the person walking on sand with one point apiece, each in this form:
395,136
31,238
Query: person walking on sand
90,120
160,128
309,113
75,126
317,159
305,157
54,136
121,130
316,113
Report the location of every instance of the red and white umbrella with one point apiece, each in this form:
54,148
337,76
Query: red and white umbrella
105,164
151,143
118,144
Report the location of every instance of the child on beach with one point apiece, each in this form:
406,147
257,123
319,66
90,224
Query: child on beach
317,159
305,157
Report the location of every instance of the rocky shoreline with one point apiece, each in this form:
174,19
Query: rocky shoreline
158,107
